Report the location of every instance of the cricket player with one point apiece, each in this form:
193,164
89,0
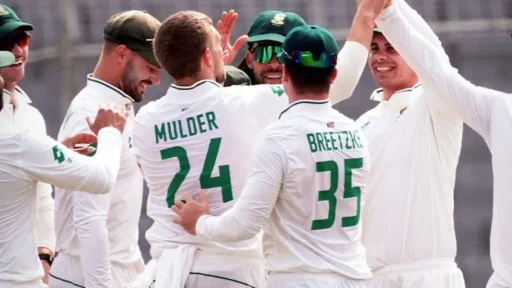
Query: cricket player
27,157
414,144
199,137
293,188
15,37
485,110
97,235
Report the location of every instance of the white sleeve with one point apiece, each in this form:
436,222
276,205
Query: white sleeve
470,103
252,210
45,225
351,63
46,160
90,220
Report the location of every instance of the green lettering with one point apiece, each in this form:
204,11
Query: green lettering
353,138
57,154
347,142
182,134
327,140
277,89
172,136
201,123
333,140
312,144
191,123
320,141
338,133
210,118
160,133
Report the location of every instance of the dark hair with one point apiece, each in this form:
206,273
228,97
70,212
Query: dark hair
180,41
309,80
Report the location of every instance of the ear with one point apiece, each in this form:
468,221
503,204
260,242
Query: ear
207,57
286,75
249,59
122,54
334,75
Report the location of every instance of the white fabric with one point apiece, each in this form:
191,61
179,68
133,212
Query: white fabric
100,229
174,267
146,278
309,149
31,284
27,157
439,273
485,110
69,265
309,280
28,117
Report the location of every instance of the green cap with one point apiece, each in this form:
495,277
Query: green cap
377,30
272,25
136,30
6,59
310,38
235,76
9,21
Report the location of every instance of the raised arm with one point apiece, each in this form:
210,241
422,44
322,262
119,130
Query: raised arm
472,104
252,210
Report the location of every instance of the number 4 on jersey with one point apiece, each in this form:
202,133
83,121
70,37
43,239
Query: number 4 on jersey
206,180
330,194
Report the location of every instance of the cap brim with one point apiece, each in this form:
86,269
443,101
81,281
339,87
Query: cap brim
8,28
267,37
149,57
6,59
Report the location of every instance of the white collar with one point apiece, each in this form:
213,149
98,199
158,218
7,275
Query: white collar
188,94
108,92
400,97
307,107
21,96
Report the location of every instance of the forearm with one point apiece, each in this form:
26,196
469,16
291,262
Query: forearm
45,225
95,254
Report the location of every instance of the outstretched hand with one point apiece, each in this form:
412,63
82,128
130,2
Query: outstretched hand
189,211
372,7
225,27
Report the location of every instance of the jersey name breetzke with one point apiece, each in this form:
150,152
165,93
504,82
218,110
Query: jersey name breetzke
334,140
191,126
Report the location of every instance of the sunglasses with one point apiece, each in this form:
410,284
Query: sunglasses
20,39
263,54
306,58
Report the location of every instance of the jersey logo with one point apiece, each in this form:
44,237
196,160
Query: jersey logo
330,124
3,12
278,19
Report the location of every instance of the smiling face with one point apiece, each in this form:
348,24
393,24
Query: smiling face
137,76
388,68
270,72
17,43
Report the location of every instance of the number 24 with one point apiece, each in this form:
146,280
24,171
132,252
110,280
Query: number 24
205,179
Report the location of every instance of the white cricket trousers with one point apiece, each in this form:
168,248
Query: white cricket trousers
438,273
494,282
66,272
312,280
193,268
31,284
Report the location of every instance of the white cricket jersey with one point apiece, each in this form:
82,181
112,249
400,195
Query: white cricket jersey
27,116
487,111
213,154
305,187
27,157
414,147
200,138
80,214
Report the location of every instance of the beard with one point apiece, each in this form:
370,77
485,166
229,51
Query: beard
130,83
260,78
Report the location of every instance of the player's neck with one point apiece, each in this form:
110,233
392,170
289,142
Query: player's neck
11,87
294,97
190,81
102,73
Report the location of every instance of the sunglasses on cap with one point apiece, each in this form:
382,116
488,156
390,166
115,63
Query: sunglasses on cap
263,54
20,39
306,58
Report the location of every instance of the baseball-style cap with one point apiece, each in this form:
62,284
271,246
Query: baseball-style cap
310,46
6,59
377,30
273,25
136,30
235,76
9,21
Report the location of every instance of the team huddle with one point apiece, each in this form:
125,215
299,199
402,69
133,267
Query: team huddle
254,179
